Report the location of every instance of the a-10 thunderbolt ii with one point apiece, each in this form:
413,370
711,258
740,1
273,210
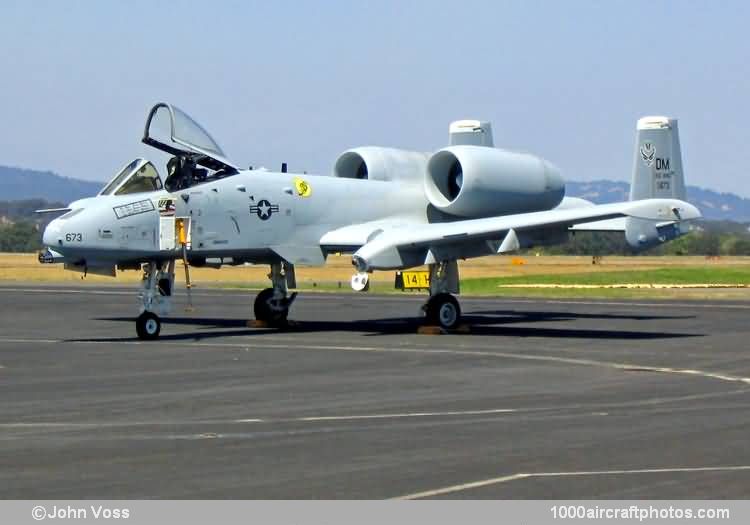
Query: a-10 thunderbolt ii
389,208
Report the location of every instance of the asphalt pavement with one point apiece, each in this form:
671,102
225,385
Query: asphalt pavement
541,399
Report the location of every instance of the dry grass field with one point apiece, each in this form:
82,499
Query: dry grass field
25,268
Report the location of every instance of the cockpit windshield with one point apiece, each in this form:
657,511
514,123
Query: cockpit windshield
137,177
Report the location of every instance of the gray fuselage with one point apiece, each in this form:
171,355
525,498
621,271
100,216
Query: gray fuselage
253,215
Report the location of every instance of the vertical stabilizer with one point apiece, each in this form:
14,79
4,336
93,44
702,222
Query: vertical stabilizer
657,163
471,133
657,174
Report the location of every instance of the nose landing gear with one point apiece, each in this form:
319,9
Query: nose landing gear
156,298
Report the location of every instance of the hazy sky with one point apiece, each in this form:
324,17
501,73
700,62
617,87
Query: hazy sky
303,81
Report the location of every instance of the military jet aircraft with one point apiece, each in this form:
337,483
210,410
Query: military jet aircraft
388,208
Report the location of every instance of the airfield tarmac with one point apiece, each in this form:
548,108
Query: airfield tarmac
543,399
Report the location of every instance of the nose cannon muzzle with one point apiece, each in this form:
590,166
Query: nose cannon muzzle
50,257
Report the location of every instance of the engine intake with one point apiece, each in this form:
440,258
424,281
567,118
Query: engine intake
475,181
375,163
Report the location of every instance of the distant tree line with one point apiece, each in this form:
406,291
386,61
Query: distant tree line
709,241
24,209
21,228
21,236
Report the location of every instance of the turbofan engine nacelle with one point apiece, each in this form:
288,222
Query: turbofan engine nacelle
475,181
375,163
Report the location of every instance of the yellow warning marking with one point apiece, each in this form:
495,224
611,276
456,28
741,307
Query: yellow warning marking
416,279
302,187
181,231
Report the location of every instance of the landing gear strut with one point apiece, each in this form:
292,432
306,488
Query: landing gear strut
156,298
272,304
442,309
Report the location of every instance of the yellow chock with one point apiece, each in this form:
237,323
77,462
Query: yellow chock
439,330
430,330
257,323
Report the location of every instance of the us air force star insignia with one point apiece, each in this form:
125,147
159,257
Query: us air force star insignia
648,152
264,209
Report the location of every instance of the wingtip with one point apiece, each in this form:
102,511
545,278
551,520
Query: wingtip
686,212
664,209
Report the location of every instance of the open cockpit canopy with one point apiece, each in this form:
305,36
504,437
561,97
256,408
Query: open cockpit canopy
170,129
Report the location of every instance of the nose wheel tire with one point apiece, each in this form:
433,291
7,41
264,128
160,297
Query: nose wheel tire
148,326
443,310
270,310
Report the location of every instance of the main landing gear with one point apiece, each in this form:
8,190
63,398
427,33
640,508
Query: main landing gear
272,304
442,308
156,298
148,325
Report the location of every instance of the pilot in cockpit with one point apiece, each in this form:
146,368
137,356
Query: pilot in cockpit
183,173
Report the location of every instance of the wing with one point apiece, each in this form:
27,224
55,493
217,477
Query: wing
406,243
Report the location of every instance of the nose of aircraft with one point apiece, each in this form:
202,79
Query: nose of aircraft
52,234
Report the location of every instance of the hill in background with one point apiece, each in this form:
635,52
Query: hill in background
715,206
21,184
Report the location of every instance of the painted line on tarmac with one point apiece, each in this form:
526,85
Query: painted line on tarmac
588,302
69,291
30,341
580,410
121,424
134,292
664,303
305,419
633,367
411,415
526,475
396,297
504,355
